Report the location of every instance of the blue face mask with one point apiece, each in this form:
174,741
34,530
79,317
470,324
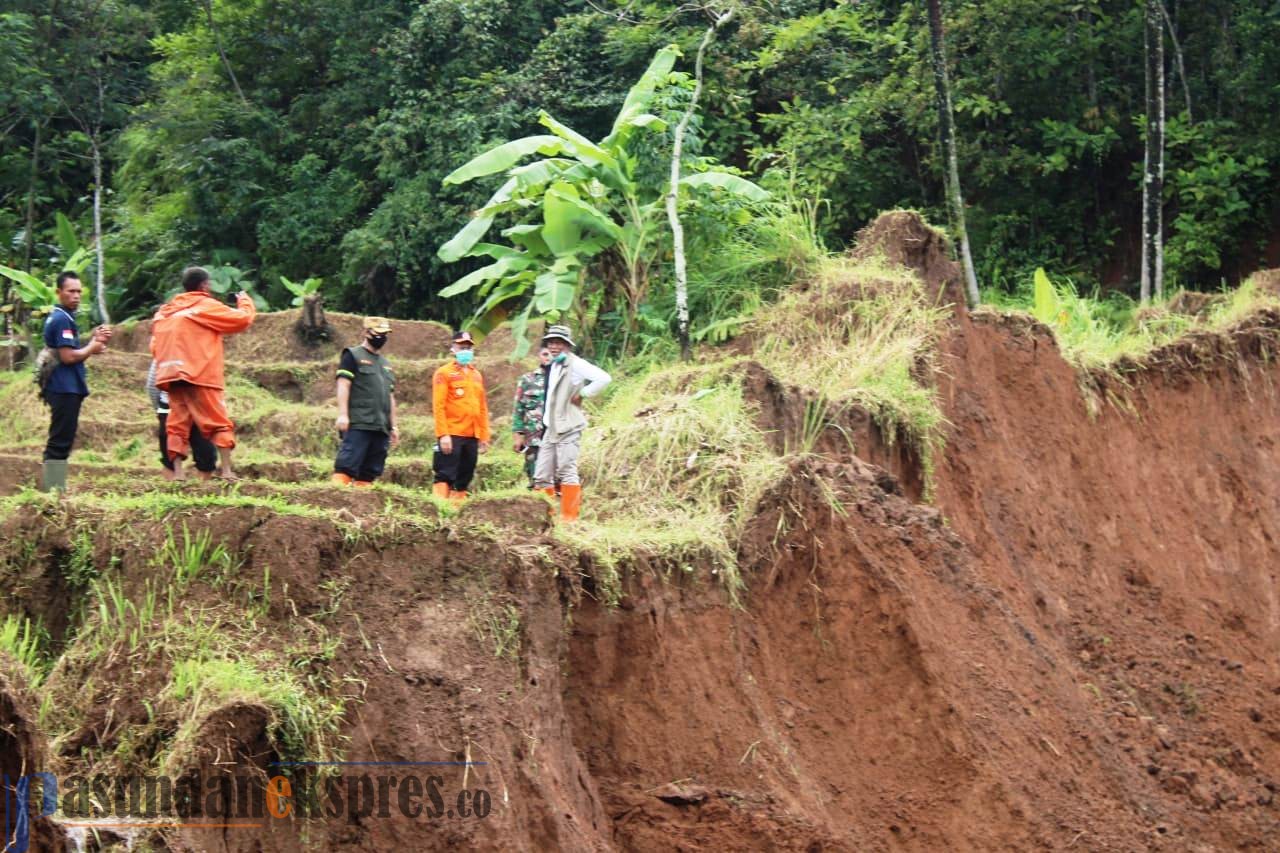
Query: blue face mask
464,356
560,358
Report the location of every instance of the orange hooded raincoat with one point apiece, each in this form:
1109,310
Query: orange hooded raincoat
186,337
186,342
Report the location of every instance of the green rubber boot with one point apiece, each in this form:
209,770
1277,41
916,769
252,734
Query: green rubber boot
55,475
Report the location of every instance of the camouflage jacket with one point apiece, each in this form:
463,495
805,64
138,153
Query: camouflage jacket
526,414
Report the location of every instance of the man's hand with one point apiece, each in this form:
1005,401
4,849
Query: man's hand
103,333
97,345
484,447
395,436
576,399
343,423
446,444
518,442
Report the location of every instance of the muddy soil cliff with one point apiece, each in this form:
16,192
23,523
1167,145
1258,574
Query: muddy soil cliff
1076,648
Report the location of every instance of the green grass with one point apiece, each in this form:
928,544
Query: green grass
1100,333
193,555
26,417
494,625
676,462
23,641
305,723
681,540
865,334
168,500
1239,304
211,646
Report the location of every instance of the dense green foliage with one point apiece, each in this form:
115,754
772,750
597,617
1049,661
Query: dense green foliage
331,163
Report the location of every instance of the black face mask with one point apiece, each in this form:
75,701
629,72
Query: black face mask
377,341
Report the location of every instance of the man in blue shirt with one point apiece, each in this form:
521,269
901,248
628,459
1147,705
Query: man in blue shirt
67,387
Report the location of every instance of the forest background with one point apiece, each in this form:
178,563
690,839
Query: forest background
289,140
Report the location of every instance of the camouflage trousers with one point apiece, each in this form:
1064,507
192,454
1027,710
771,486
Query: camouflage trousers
530,462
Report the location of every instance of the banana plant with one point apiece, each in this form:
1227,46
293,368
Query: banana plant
579,200
35,292
301,290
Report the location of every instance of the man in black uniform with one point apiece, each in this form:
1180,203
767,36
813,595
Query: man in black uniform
366,408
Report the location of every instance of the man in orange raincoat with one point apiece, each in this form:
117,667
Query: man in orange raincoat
461,414
186,341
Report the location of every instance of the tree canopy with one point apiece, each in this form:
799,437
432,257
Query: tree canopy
312,139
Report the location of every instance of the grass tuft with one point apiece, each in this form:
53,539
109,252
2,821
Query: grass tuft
305,723
863,333
23,641
676,463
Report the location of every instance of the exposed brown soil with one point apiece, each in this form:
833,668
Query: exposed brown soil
904,239
1082,655
1072,648
275,338
314,383
22,752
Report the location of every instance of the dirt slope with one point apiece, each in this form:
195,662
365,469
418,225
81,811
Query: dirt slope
1074,647
1083,655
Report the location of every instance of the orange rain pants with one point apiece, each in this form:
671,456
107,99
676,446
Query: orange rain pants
203,407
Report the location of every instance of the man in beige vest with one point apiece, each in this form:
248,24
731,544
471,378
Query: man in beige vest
570,379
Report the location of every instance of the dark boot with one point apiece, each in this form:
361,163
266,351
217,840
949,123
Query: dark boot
54,476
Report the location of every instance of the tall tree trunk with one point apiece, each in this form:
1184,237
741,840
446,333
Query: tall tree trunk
1091,75
947,132
95,143
1177,59
673,194
1153,159
226,63
28,240
17,320
100,289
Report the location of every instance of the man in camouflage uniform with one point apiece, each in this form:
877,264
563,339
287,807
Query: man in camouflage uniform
526,415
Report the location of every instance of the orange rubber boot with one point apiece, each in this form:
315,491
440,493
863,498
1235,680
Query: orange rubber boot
364,484
550,492
340,479
570,501
457,497
440,490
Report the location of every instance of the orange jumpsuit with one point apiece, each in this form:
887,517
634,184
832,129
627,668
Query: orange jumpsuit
186,342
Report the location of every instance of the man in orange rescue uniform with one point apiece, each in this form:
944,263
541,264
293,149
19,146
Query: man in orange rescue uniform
186,341
462,420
